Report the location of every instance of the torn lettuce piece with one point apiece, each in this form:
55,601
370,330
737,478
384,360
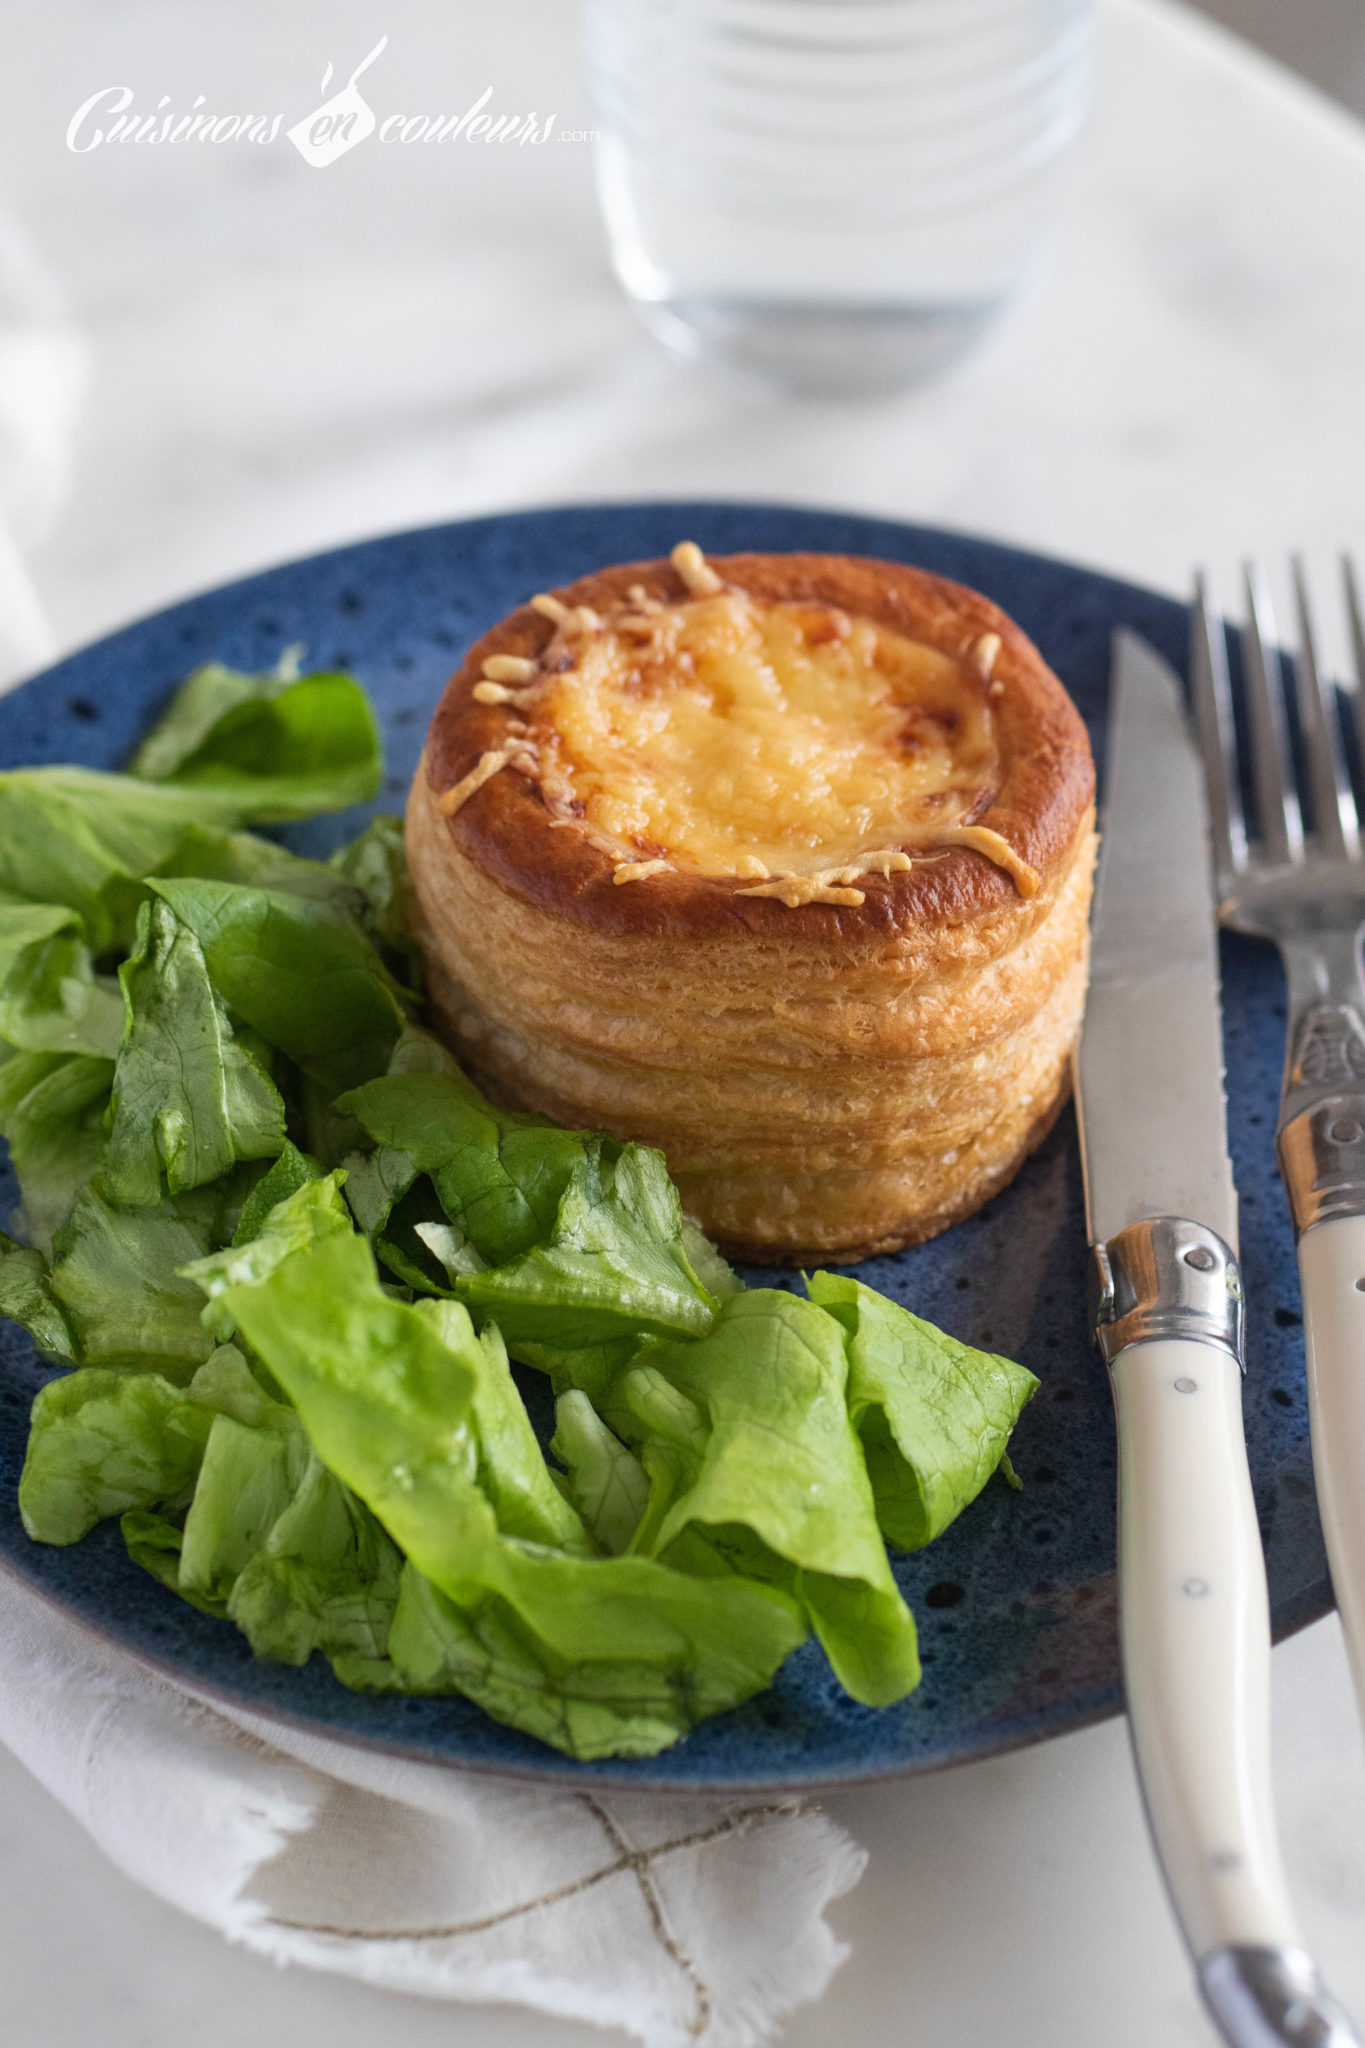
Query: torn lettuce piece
206,695
292,1171
376,866
402,1245
52,1109
154,1541
396,1204
451,1247
115,1276
84,840
271,1539
599,1655
606,1483
221,1499
325,1578
511,1469
716,1274
288,745
298,971
101,1442
253,863
615,1265
27,1300
249,1474
748,1430
51,999
500,1175
934,1415
591,1369
589,1656
356,1363
313,1210
188,1099
87,839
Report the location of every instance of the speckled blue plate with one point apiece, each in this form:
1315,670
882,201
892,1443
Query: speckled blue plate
1016,1602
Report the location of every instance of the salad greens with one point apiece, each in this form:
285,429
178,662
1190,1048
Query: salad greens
282,1248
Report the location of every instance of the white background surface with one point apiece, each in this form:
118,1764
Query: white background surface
282,358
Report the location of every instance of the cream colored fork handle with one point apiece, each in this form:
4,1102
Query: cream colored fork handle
1332,1272
1195,1625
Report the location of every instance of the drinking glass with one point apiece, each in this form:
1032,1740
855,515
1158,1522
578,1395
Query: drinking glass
839,195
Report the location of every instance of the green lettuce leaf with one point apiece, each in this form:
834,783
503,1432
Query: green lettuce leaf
325,1578
500,1175
81,839
600,1655
104,1441
615,1266
291,747
254,863
292,1171
221,1499
376,865
154,1541
933,1414
188,1099
511,1469
51,1000
298,971
396,1204
749,1430
596,1657
86,839
52,1111
115,1276
27,1300
314,1209
249,1475
606,1483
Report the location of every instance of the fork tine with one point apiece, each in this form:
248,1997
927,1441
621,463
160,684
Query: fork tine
1334,806
1356,624
1272,769
1217,739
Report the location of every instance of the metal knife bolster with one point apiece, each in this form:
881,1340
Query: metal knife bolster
1166,1277
1265,1997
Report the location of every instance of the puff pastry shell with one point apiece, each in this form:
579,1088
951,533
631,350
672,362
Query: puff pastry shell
829,1080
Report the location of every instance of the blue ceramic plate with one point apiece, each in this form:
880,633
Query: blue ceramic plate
1016,1602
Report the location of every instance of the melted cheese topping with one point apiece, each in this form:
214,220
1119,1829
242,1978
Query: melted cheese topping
727,737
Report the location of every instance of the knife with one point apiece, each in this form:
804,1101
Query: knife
1161,1214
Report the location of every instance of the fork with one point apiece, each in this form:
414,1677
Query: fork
1301,883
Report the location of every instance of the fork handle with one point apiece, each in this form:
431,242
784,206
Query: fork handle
1332,1274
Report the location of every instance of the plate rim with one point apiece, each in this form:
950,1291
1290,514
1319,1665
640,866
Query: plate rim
558,1769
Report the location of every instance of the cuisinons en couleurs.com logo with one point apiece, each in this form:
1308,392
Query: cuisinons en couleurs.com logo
338,124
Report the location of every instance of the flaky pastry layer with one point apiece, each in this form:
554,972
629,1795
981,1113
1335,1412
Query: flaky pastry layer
827,1080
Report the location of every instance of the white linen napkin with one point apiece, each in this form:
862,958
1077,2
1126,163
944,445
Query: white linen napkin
683,1920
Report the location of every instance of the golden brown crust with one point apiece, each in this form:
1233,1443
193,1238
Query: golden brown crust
828,1081
1047,782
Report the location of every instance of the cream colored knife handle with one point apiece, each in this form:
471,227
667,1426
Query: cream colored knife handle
1332,1270
1195,1625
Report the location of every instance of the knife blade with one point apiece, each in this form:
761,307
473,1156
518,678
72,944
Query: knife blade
1161,1213
1152,1020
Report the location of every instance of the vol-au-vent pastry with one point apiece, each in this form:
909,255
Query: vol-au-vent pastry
779,862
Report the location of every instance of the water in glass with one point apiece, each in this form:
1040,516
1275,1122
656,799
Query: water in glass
837,194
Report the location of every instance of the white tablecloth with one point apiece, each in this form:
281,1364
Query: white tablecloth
283,358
